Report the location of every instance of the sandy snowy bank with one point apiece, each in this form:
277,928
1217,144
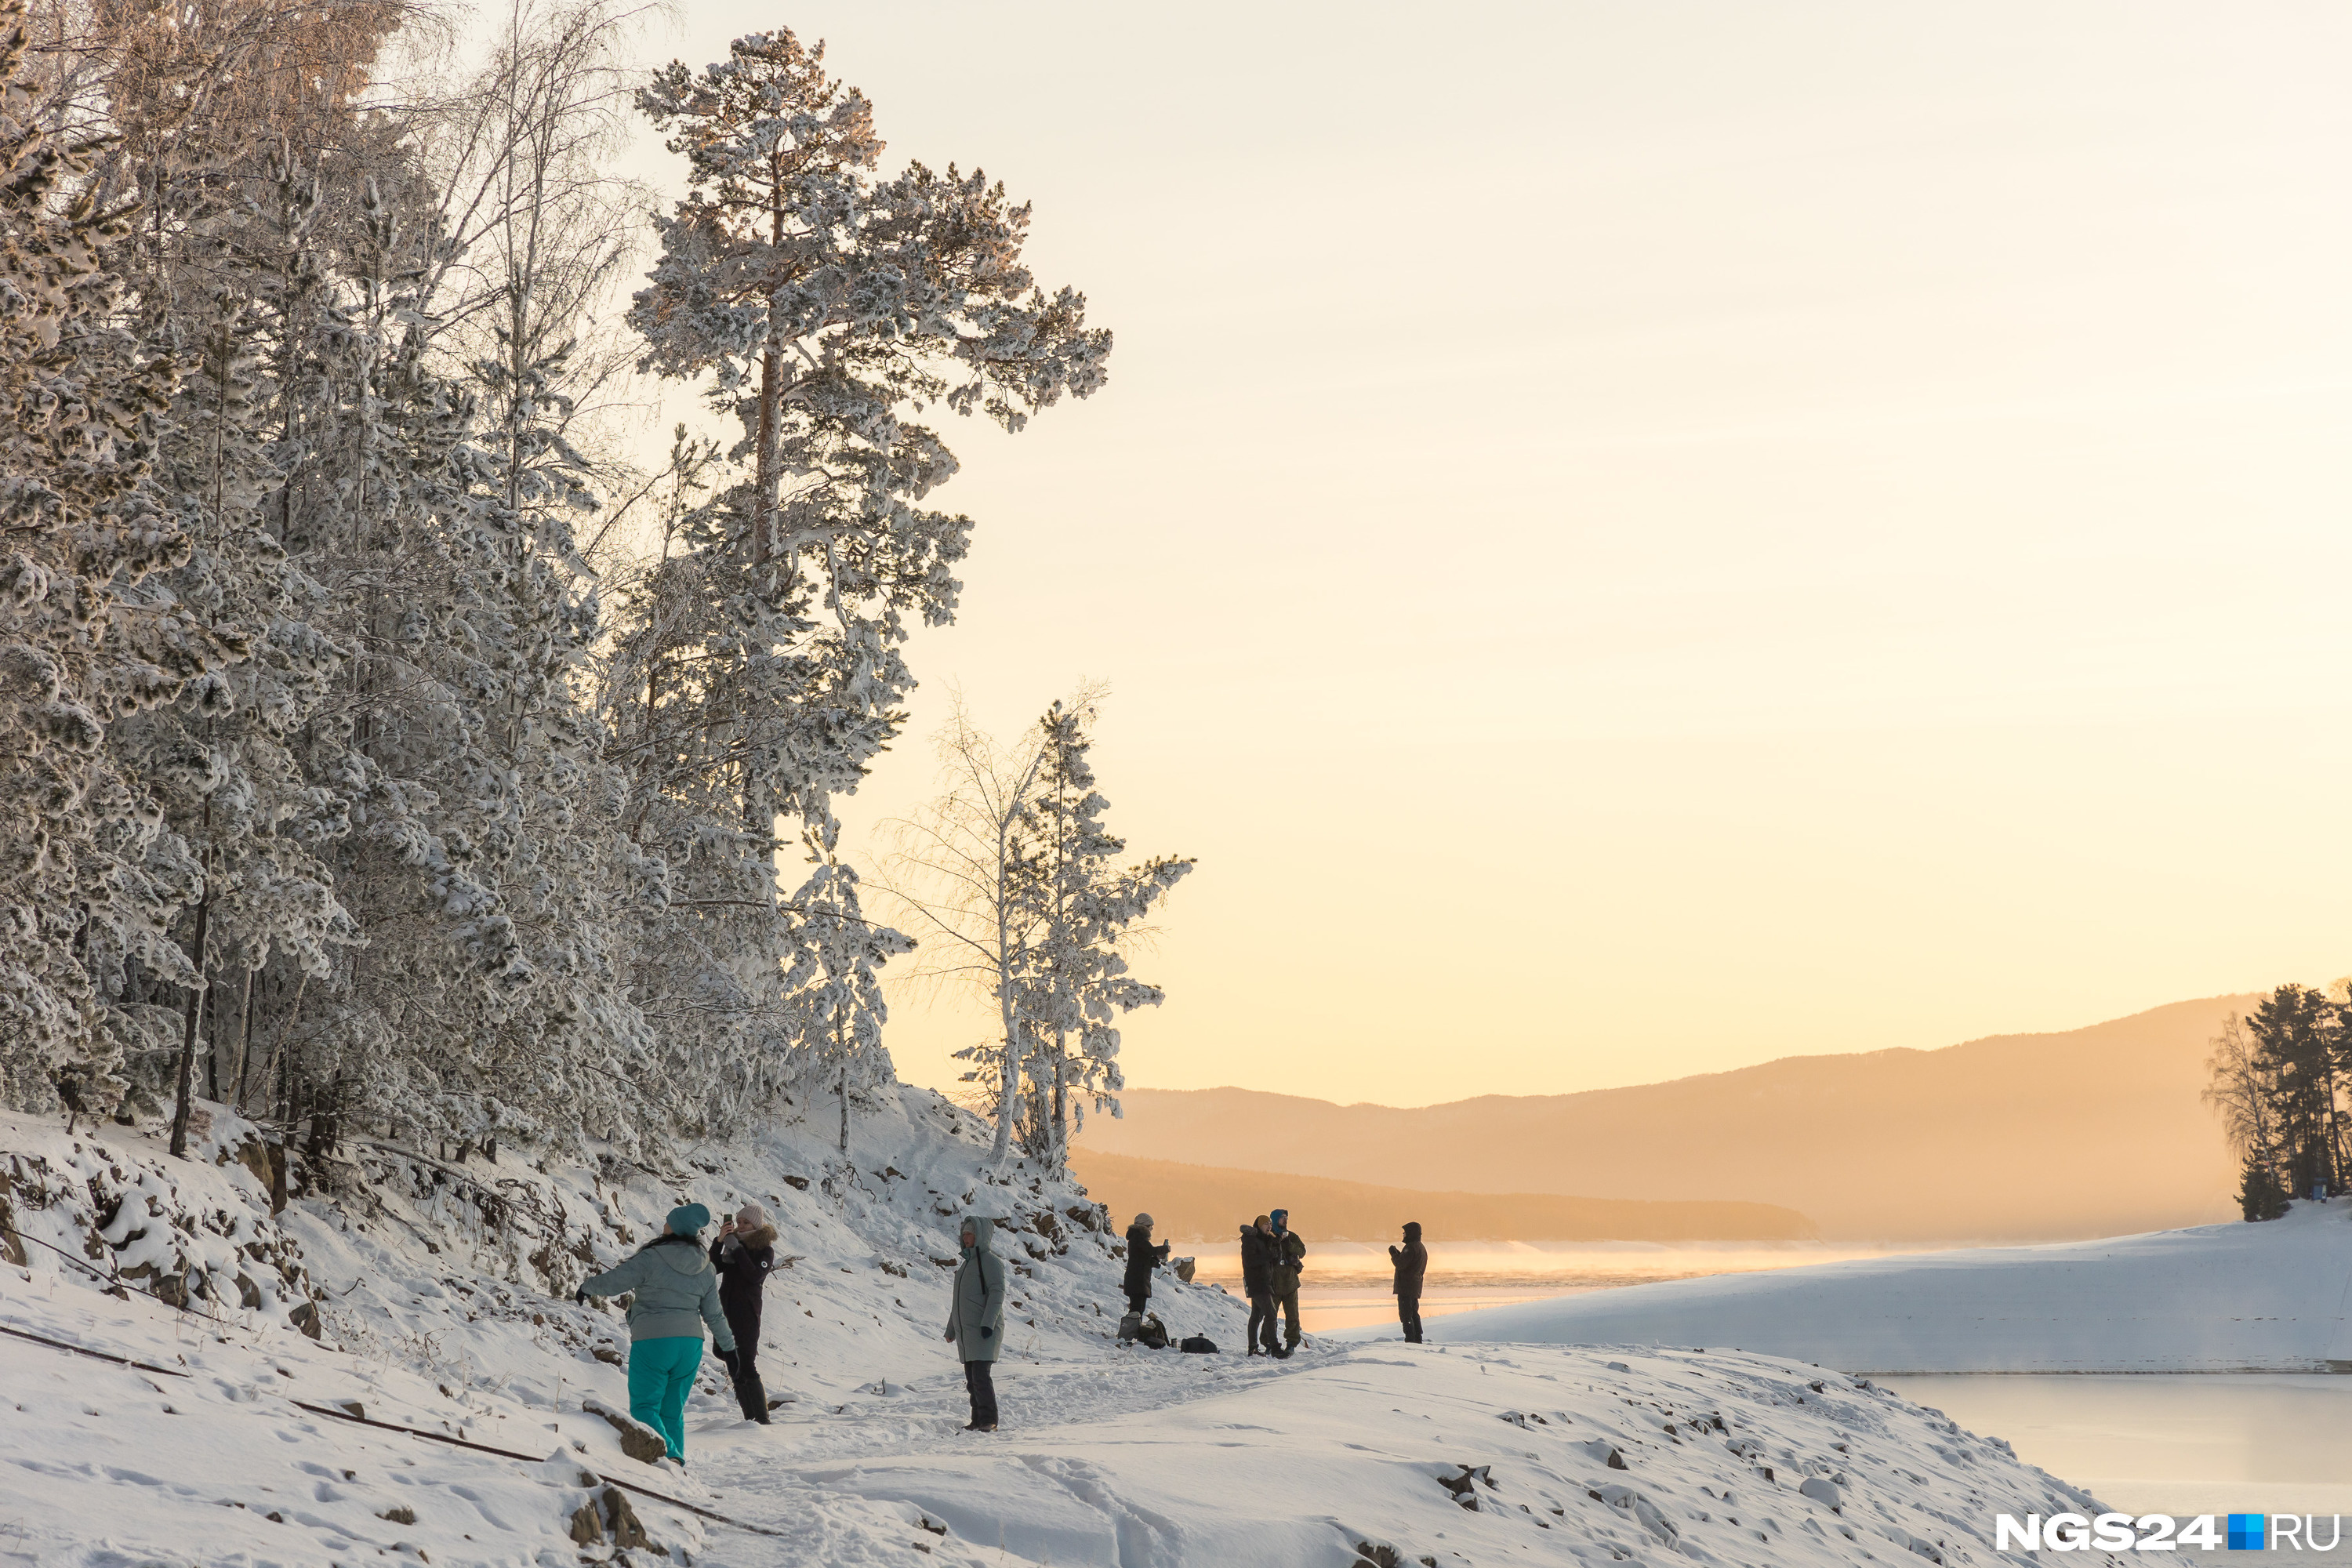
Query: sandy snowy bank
2224,1298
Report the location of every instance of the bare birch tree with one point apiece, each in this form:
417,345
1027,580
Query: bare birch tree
961,869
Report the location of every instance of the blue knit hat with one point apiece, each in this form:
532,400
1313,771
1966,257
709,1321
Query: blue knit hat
689,1218
1281,1219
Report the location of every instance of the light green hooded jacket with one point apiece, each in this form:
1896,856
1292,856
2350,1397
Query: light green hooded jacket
676,1291
979,1296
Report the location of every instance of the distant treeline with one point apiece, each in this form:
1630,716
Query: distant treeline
1201,1200
2277,1078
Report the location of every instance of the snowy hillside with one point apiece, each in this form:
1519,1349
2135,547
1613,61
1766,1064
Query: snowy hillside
2222,1297
440,1311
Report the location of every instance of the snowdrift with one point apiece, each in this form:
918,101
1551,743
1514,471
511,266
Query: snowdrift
404,1305
2222,1297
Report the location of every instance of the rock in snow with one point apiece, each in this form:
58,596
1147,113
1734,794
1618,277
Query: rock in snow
1342,1456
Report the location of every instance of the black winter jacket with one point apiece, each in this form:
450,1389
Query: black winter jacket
1258,1258
1140,1257
1411,1262
743,1259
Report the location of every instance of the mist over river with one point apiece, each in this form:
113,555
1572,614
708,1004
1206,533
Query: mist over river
1346,1284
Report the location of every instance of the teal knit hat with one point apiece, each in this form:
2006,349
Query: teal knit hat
689,1218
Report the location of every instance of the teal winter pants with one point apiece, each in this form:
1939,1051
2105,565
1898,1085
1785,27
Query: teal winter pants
661,1374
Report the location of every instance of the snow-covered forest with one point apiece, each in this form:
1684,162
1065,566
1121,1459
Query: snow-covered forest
385,745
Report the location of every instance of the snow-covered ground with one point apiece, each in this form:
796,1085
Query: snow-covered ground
437,1290
2222,1297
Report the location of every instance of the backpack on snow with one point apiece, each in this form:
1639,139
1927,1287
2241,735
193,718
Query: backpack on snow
1153,1334
1129,1326
1199,1344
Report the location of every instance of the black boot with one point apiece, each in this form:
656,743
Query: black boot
752,1395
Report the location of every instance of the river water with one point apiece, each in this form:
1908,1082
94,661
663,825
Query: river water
2204,1442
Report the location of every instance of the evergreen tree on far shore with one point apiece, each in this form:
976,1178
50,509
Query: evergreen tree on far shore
2275,1079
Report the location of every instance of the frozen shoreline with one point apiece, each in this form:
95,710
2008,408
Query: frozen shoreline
2219,1298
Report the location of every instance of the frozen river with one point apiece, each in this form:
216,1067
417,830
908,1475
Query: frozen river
2199,1443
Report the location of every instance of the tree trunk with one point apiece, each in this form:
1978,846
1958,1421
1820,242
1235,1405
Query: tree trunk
244,1047
1059,1154
764,476
184,1101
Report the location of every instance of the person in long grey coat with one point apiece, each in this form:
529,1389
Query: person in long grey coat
676,1293
976,1320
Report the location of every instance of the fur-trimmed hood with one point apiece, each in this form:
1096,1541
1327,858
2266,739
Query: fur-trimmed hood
765,1236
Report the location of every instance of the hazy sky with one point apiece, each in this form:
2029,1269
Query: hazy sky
1634,539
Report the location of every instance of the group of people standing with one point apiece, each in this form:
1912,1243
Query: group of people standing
1273,1256
679,1287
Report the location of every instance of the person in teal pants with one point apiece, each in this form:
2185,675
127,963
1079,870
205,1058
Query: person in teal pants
676,1293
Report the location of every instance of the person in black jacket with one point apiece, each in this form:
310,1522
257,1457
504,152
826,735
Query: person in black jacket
1411,1262
1286,1260
1141,1255
1257,1284
743,1254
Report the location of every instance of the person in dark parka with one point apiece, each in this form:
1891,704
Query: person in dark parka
1257,1284
1286,1259
1411,1262
743,1254
1142,1258
976,1321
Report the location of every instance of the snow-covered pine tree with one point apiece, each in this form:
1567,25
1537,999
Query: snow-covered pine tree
217,269
82,642
1087,909
828,307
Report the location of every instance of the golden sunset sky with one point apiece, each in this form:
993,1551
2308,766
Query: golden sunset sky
1634,539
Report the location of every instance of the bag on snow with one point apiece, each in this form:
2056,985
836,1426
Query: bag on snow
1153,1335
1129,1326
1199,1344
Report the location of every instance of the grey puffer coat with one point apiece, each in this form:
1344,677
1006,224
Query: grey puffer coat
977,1317
676,1291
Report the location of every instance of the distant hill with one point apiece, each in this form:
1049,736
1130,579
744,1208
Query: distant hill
1190,1202
2097,1131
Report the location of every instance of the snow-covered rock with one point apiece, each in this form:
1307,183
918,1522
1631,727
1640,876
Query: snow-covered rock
2222,1297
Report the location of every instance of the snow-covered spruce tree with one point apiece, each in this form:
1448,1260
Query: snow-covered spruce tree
486,1002
82,643
834,989
426,491
763,669
225,209
1087,909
